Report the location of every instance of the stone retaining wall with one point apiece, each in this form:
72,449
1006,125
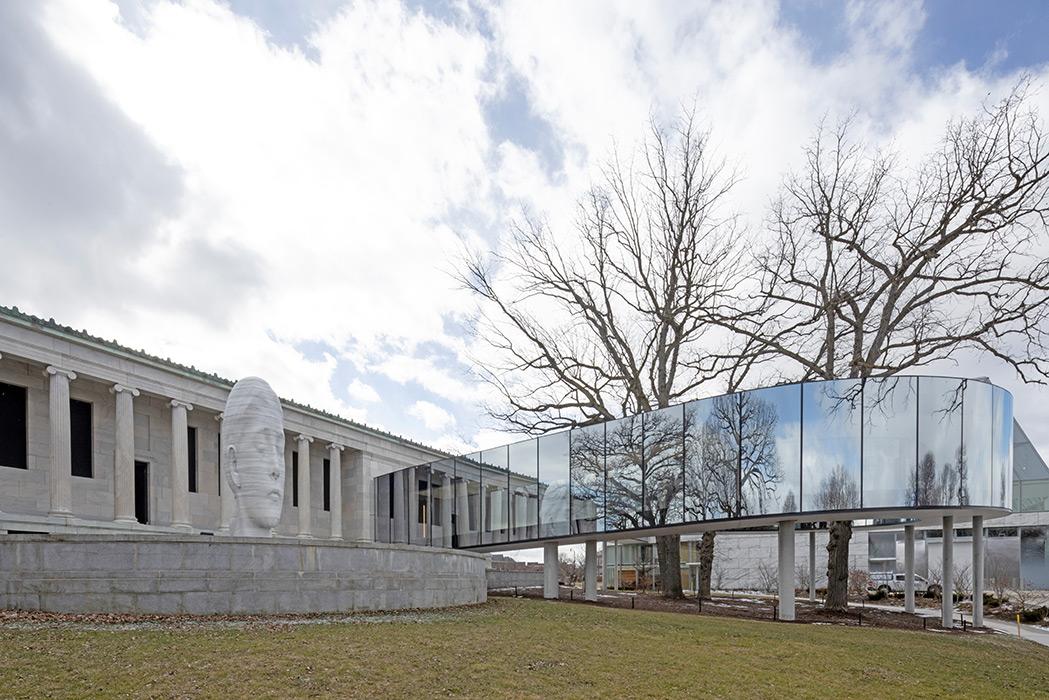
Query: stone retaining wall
202,575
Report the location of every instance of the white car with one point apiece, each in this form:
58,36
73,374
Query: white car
886,582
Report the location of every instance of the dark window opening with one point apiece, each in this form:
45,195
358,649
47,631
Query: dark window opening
80,438
13,426
327,484
191,445
294,479
142,491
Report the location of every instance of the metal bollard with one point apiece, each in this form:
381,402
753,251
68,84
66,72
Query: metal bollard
775,613
632,599
924,621
859,617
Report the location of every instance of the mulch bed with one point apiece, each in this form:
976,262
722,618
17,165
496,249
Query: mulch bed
749,607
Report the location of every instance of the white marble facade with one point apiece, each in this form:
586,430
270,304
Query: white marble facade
45,497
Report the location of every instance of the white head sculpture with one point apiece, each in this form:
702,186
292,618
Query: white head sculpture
253,440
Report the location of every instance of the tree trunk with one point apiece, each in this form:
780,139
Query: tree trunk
838,565
706,563
668,548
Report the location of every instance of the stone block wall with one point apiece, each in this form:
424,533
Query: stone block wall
175,574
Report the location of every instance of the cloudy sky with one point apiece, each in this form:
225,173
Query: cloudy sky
279,188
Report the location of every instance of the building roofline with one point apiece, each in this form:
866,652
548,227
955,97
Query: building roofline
51,327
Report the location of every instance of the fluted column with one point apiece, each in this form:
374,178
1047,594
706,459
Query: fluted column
362,498
335,482
305,506
180,464
227,501
447,504
61,454
124,454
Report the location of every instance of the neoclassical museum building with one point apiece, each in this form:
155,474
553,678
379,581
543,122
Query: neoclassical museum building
118,491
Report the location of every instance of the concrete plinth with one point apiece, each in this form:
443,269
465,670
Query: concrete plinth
236,575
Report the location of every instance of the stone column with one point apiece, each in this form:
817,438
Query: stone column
551,571
227,501
590,571
447,504
785,574
335,484
947,580
124,454
305,512
978,571
180,464
362,498
61,454
411,488
521,516
908,568
462,512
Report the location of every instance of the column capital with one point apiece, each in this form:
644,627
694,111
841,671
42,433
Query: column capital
336,447
303,438
118,388
220,416
175,403
53,371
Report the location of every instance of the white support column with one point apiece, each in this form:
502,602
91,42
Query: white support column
947,581
411,485
590,571
619,563
785,574
812,566
447,503
977,571
462,511
551,571
908,568
227,502
305,506
362,498
180,464
335,487
124,454
61,455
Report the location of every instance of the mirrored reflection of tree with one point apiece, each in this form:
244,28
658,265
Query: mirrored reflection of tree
760,469
662,466
587,461
837,491
624,445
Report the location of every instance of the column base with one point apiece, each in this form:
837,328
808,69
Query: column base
126,521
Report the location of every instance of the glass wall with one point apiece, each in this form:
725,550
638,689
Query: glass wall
977,419
1034,558
624,442
943,477
830,454
894,443
770,459
890,441
524,486
554,491
588,478
1002,448
663,466
712,438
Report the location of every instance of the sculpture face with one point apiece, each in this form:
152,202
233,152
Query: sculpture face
253,445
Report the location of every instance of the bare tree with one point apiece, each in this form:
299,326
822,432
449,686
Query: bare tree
768,577
608,321
572,567
875,269
1000,575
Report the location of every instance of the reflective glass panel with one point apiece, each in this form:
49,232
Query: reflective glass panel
770,463
468,505
1002,561
1034,564
890,412
712,458
663,463
524,488
401,482
1002,457
419,514
623,483
495,483
442,502
977,429
588,478
1034,498
831,445
554,491
943,474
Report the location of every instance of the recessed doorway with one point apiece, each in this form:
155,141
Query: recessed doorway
142,491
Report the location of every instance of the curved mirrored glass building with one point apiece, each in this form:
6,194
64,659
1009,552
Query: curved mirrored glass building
909,447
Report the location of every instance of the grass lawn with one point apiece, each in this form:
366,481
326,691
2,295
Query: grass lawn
518,648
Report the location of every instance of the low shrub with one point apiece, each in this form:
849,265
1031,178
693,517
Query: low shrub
1034,614
990,600
876,595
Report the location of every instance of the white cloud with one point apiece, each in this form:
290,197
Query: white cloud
432,416
362,392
